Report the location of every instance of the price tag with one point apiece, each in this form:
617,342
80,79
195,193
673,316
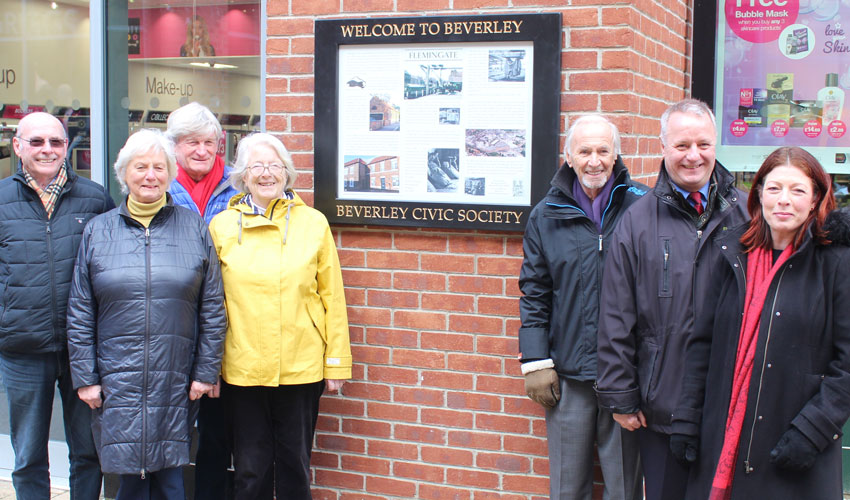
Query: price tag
812,128
836,128
779,128
738,128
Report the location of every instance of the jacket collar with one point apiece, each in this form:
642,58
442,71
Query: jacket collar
69,172
562,181
124,212
720,177
236,203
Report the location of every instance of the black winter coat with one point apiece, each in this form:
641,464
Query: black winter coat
37,260
654,281
801,371
145,318
561,273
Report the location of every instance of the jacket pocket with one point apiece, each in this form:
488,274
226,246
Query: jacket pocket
647,359
665,288
317,316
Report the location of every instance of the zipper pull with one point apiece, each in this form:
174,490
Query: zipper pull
147,242
143,473
747,468
600,243
699,234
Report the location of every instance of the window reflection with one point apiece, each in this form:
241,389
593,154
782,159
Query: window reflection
45,67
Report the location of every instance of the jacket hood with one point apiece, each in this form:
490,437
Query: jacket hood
837,227
565,176
236,202
279,208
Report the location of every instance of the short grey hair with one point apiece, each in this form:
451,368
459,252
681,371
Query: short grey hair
689,106
142,142
243,154
585,119
193,119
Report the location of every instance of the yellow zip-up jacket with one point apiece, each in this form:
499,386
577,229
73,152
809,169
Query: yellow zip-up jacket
287,322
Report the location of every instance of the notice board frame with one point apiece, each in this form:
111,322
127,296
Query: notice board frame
544,33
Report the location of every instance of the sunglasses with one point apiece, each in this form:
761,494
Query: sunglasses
38,142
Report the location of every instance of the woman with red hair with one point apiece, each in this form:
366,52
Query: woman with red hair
768,388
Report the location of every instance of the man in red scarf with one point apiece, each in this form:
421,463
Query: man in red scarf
203,185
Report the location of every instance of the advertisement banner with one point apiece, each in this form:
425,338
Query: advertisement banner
783,72
199,31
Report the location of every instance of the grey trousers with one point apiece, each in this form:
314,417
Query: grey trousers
572,428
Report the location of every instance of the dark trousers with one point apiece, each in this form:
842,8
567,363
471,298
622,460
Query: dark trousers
213,457
165,484
664,478
273,430
30,381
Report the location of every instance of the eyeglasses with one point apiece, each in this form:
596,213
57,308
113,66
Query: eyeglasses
259,168
38,142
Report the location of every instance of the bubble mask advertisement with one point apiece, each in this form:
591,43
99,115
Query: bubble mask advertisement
783,73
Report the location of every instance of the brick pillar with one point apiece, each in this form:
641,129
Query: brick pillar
436,408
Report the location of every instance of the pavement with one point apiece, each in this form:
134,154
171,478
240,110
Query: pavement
7,492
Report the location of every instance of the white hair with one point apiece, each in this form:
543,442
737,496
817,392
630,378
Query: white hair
689,106
193,119
243,154
142,142
583,120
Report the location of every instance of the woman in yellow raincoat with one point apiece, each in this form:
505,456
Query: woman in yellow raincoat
287,337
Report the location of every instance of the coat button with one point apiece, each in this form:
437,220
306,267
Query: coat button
735,264
834,437
778,313
723,247
760,417
770,365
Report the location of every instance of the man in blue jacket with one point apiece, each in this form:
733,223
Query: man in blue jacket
44,207
564,246
203,186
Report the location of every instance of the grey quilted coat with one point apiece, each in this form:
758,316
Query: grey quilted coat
145,318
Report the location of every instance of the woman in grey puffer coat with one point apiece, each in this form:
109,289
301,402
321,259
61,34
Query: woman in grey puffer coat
146,324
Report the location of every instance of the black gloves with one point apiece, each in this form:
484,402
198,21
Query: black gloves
794,451
543,387
684,448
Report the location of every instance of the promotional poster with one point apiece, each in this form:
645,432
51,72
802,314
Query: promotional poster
785,72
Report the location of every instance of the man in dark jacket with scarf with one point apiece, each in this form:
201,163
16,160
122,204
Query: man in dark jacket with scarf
44,207
654,285
565,243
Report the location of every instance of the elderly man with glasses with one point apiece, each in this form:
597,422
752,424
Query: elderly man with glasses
44,207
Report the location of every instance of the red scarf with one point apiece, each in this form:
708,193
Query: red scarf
760,273
202,190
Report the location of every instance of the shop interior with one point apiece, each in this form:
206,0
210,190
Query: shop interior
177,51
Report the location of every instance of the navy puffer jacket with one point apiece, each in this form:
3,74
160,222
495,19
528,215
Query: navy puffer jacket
37,259
145,318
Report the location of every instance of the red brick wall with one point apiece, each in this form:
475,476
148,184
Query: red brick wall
436,408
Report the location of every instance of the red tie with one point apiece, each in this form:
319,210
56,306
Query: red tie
696,200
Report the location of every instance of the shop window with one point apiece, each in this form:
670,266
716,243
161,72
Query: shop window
45,67
176,52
